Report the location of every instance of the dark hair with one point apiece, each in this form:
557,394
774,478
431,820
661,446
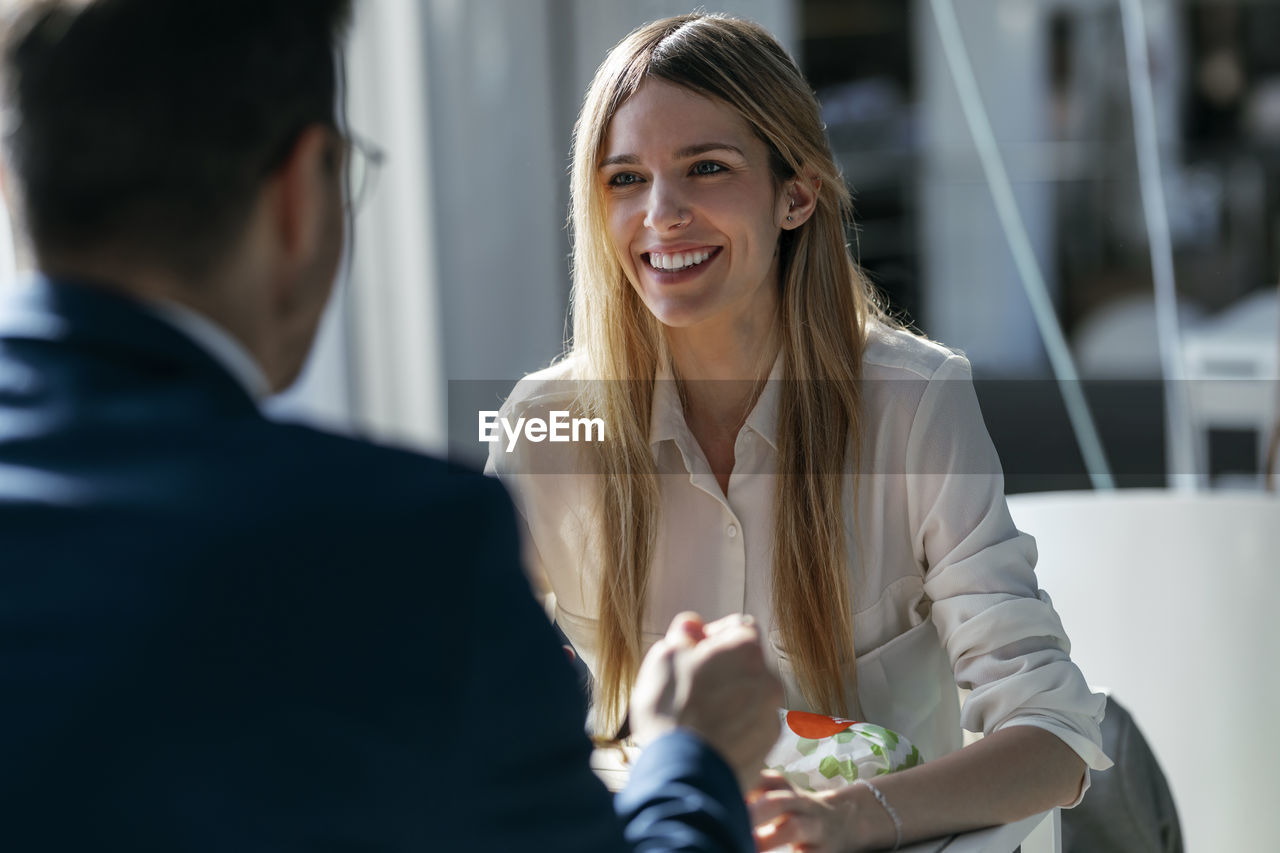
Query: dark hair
145,127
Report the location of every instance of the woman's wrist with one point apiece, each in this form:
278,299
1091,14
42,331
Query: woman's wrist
869,826
886,809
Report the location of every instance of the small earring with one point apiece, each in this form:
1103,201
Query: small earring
791,219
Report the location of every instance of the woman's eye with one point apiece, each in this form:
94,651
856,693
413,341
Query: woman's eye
706,167
624,179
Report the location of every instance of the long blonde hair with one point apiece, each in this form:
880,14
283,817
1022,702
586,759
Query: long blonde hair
824,305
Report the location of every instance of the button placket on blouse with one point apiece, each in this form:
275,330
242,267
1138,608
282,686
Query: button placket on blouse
745,462
733,550
735,540
742,462
731,575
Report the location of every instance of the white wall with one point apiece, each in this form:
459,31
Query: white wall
378,367
597,25
972,296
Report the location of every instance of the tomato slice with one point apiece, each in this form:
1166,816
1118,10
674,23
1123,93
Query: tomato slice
815,726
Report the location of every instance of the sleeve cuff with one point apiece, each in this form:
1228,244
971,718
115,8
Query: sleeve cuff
681,782
1089,751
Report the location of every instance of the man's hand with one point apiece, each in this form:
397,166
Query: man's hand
711,679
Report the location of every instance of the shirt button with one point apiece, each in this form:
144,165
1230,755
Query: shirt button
732,530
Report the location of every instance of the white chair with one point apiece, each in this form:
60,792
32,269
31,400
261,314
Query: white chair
1170,600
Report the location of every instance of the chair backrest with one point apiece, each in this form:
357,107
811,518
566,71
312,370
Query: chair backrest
1171,601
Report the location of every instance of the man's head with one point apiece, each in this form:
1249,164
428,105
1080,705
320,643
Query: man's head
159,135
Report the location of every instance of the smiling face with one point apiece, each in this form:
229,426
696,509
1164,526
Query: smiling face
693,210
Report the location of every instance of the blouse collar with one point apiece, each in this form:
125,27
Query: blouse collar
667,423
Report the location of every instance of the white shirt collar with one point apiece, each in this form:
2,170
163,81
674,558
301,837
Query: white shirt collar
219,344
666,419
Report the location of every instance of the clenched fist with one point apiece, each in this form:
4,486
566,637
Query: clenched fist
712,680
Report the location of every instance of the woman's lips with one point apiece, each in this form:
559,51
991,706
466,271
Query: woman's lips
671,267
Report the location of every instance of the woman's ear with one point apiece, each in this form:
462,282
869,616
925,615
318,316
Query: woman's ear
798,200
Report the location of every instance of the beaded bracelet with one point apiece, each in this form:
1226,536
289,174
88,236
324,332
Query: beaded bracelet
893,815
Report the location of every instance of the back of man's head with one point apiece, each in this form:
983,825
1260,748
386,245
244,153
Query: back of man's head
142,129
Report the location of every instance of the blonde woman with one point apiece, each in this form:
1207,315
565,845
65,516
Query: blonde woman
772,444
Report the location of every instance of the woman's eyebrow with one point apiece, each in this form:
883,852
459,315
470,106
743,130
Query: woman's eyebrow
682,154
704,147
618,160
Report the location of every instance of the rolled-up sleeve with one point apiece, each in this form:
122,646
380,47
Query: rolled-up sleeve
1005,641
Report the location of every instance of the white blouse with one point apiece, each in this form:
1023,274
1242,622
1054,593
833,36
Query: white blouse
943,585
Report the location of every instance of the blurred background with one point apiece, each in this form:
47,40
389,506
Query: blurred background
460,271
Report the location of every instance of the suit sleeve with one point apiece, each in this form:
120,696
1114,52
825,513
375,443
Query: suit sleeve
682,796
520,693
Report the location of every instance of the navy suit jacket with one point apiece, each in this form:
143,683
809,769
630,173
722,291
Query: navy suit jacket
218,632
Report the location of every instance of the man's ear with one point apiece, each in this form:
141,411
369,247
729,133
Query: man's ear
304,189
798,200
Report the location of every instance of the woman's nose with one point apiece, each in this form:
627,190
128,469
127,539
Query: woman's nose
667,208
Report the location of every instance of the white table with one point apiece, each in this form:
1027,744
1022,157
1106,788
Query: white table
1040,833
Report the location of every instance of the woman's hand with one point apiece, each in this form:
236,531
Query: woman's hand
825,822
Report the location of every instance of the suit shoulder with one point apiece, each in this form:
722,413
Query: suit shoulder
381,474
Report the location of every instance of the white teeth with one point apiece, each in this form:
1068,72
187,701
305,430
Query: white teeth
677,260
